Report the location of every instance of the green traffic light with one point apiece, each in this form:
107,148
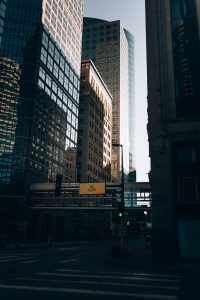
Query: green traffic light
120,214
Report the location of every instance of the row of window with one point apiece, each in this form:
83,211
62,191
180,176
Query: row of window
55,93
56,57
65,28
55,88
101,28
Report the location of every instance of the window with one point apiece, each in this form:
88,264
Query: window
45,40
43,55
51,48
42,73
55,70
56,56
50,63
48,80
54,87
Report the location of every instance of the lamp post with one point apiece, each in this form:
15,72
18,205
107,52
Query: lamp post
122,199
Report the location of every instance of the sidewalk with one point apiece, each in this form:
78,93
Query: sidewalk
138,257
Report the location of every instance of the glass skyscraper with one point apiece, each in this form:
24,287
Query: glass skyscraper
40,42
106,44
131,91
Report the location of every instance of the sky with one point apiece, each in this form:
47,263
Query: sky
132,15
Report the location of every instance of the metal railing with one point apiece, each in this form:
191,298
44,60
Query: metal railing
81,202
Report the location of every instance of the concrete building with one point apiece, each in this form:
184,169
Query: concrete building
105,43
40,45
95,127
173,60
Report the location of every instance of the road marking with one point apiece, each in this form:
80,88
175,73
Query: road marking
28,262
151,274
90,292
125,273
8,256
16,259
100,282
76,271
107,276
68,260
15,255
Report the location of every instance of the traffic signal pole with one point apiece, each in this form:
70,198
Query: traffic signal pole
122,204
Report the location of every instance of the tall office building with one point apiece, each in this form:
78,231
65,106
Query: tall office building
95,127
40,42
105,43
131,92
173,48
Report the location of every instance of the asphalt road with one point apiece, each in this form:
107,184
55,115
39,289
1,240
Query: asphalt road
88,271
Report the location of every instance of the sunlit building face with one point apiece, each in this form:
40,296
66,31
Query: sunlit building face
95,127
63,19
106,45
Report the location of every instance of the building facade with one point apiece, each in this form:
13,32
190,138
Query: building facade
105,43
95,127
173,60
40,44
131,92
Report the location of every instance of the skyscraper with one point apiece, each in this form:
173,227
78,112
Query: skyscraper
131,91
105,43
95,127
39,89
173,57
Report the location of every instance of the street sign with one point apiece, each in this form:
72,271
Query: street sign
92,188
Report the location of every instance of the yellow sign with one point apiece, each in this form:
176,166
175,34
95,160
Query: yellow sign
92,188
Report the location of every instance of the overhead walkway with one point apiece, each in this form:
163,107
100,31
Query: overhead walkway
137,196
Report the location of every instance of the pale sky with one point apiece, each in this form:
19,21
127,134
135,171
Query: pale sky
132,15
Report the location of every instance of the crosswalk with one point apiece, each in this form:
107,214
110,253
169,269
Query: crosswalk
133,285
59,275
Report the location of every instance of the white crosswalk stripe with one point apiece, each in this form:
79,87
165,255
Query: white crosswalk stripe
125,273
109,283
17,259
90,292
21,258
67,260
29,261
109,277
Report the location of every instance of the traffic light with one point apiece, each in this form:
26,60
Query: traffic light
120,210
58,185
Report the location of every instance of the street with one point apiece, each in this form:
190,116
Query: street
87,269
